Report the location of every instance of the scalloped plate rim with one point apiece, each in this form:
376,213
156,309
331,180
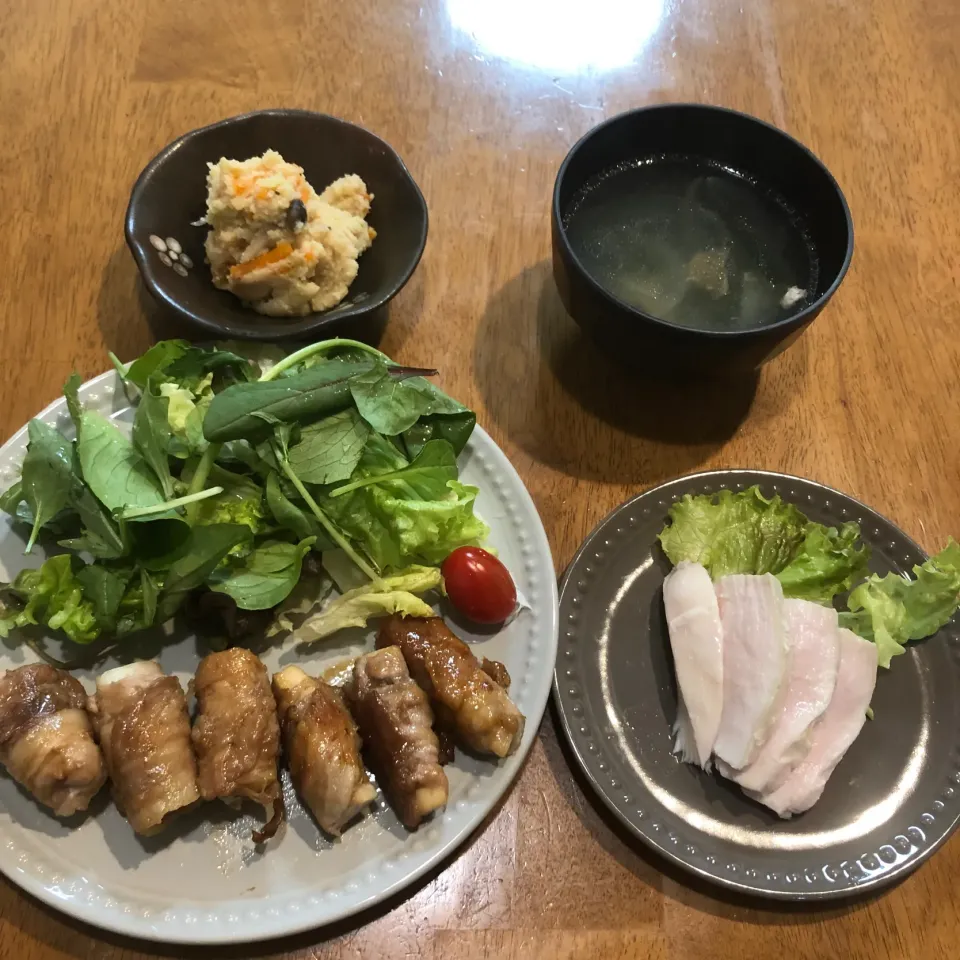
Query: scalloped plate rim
711,873
161,929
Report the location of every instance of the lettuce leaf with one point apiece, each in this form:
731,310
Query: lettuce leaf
829,562
395,530
53,597
311,590
186,408
394,594
405,518
232,506
731,532
745,532
892,610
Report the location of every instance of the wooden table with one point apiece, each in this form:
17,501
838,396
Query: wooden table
483,98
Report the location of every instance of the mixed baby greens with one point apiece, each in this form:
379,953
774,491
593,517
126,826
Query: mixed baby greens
747,533
235,470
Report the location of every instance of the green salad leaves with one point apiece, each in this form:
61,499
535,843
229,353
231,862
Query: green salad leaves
893,610
394,594
54,597
747,533
235,469
744,532
734,532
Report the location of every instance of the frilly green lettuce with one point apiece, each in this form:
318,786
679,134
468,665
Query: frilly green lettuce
185,412
52,597
892,610
393,594
729,532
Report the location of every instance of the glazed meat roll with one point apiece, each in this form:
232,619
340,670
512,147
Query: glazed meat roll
144,729
466,695
396,724
236,735
46,742
322,748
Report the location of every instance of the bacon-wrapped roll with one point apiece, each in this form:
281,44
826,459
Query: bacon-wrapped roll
322,748
236,735
144,729
466,696
396,724
46,742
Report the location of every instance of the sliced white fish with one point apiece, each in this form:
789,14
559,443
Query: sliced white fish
754,664
684,743
836,729
696,638
813,657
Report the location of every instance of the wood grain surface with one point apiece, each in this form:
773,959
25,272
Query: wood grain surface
483,98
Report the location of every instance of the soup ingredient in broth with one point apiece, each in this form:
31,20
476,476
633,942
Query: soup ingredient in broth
692,243
278,244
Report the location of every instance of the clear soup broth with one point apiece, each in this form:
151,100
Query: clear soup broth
693,243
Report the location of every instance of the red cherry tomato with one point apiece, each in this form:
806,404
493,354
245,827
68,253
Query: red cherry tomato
479,585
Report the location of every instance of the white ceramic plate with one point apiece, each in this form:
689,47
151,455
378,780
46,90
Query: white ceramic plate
202,880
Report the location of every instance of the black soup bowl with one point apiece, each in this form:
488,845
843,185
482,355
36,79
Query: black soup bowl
170,194
741,144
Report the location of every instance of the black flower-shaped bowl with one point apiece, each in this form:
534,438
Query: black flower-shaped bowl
170,195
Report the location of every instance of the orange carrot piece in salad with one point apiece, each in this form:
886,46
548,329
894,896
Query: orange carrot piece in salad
280,252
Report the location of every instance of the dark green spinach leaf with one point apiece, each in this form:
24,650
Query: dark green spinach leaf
391,404
138,608
241,453
455,428
158,542
151,436
101,537
238,412
113,468
47,475
207,548
11,498
155,360
149,592
196,362
427,474
71,392
266,576
290,517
